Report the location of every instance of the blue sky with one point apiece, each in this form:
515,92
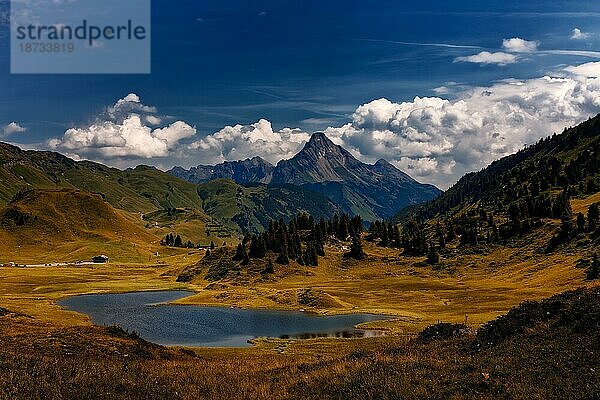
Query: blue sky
309,65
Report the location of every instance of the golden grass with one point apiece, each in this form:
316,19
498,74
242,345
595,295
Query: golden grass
474,287
582,205
42,361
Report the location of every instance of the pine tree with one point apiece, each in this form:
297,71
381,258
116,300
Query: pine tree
169,240
385,239
562,205
239,252
451,232
283,258
313,255
515,215
433,257
269,268
356,249
257,247
343,228
580,222
212,245
296,246
441,236
335,225
397,238
178,242
246,259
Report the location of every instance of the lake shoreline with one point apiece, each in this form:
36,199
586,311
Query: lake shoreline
155,316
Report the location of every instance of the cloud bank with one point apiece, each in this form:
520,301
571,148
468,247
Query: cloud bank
518,45
513,49
439,140
434,139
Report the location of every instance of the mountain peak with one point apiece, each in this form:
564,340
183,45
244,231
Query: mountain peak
250,170
322,152
319,139
383,163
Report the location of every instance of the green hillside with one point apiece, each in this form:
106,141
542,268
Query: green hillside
51,225
252,207
141,189
546,196
568,161
147,190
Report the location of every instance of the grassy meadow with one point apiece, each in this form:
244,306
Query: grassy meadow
545,350
47,352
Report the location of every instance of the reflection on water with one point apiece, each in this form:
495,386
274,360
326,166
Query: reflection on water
347,334
210,326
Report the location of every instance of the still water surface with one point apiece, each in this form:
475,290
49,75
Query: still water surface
148,314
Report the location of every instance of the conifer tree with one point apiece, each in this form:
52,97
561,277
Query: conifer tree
580,222
246,258
397,238
343,228
441,236
178,242
385,240
310,255
283,258
356,249
433,257
562,205
257,247
269,269
239,252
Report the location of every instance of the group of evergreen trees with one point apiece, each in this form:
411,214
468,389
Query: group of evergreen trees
174,240
570,229
302,239
412,238
388,234
478,226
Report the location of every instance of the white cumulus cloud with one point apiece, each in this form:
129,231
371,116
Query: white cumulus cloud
11,129
245,141
485,57
123,131
518,45
578,34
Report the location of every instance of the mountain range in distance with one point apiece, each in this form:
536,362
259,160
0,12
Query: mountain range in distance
374,192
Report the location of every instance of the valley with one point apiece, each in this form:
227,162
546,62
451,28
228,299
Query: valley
300,200
463,259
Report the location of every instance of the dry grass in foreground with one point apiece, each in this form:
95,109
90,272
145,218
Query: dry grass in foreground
547,350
